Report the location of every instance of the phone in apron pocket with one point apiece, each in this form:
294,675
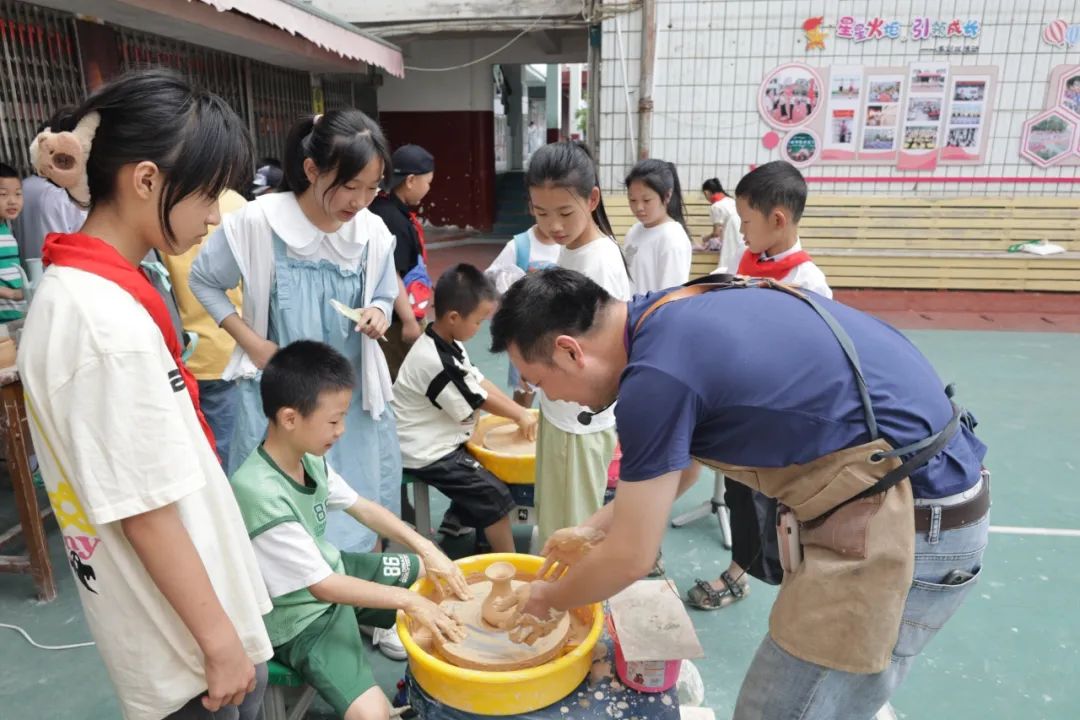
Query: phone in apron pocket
787,537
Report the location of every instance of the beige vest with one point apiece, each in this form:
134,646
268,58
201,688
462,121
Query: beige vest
842,607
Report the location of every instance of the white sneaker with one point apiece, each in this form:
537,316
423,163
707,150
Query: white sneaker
389,643
886,713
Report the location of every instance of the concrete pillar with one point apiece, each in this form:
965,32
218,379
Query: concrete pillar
575,99
514,116
553,102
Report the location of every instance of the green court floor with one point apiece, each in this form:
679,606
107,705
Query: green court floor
1013,650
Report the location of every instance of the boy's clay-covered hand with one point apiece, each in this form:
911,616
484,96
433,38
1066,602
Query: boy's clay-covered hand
445,574
566,547
430,616
528,424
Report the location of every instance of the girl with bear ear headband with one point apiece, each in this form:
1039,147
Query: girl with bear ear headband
125,454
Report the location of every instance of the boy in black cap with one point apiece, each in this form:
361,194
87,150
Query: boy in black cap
414,168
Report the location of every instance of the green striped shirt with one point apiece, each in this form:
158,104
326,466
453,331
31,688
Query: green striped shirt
10,275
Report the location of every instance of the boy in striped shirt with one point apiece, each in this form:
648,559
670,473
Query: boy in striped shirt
12,306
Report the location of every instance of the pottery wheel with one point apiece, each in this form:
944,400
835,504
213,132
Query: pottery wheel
487,649
505,439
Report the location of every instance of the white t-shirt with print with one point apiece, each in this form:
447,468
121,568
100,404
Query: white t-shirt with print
658,257
116,436
437,396
725,212
602,262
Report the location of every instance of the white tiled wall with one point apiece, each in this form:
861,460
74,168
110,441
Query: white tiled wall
713,54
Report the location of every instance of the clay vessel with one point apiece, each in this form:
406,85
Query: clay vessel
501,575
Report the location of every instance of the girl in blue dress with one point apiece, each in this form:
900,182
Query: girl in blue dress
295,252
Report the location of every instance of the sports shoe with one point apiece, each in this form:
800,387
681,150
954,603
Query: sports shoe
389,643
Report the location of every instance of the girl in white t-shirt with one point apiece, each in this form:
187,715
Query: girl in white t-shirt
726,235
572,456
169,584
657,247
527,252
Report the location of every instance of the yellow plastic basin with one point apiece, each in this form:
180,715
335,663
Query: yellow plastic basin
511,469
499,693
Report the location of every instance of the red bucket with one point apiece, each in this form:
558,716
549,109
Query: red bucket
647,676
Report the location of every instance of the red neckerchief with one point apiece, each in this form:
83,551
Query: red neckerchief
419,234
92,255
716,197
752,266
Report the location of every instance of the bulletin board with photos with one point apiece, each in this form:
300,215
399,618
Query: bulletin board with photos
1052,137
913,117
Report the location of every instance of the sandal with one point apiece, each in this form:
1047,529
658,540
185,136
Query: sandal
658,569
704,596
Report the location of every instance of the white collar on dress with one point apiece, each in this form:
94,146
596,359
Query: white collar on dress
289,223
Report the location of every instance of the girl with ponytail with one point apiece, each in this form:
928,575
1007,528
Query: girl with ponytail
572,456
168,580
299,252
657,247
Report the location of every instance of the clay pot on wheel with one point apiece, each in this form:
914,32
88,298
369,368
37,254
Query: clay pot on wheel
501,575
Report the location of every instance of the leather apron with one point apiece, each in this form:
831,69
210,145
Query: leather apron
842,607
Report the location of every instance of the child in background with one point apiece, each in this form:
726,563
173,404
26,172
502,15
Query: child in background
168,580
437,395
212,346
12,305
657,248
770,201
296,251
572,456
286,490
725,235
527,252
414,171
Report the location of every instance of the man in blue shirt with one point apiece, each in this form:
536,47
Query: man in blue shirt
829,410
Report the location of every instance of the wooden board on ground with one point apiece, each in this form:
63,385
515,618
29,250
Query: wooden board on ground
486,649
652,623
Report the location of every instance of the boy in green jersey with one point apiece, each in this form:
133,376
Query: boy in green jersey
323,596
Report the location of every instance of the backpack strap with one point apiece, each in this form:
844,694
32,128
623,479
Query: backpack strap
522,248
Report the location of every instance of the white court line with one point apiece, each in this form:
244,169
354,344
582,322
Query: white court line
1056,532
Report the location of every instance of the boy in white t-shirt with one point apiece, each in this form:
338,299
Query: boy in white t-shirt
657,248
770,200
437,396
527,252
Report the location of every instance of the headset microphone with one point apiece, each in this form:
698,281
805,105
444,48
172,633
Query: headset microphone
585,416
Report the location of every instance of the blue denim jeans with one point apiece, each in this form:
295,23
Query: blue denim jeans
779,686
218,400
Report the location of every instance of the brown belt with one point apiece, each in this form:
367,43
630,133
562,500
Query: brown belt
957,516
